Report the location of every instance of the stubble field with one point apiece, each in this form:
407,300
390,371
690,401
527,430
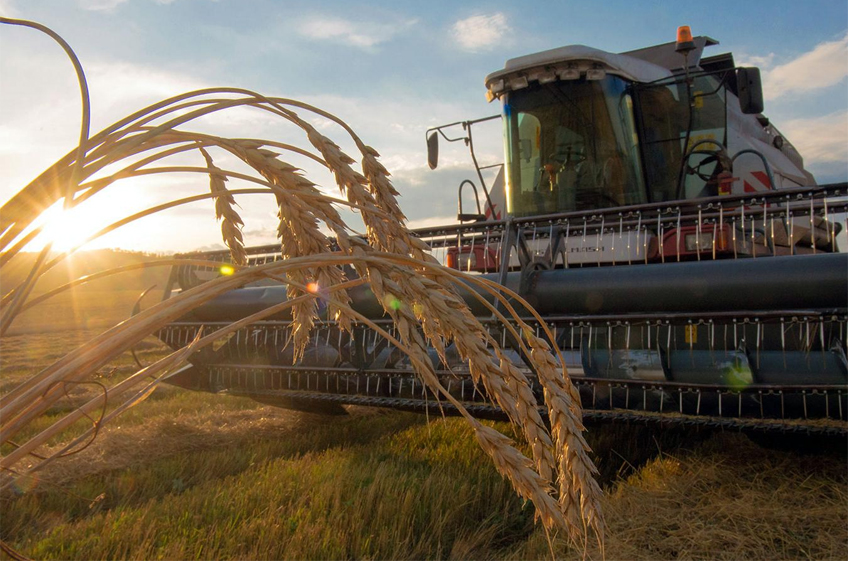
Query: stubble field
196,476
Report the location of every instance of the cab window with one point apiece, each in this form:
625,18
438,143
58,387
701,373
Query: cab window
570,146
664,115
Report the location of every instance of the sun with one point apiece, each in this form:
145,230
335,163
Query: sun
65,229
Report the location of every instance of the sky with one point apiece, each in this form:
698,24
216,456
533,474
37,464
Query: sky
389,69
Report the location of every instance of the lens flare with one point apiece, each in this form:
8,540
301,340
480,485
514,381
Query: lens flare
25,483
392,302
226,270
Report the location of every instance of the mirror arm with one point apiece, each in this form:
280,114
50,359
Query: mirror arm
479,171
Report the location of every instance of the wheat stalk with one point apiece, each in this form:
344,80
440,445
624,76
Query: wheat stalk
512,391
579,495
164,364
417,293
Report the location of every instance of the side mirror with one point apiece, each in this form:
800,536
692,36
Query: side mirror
433,150
526,149
750,90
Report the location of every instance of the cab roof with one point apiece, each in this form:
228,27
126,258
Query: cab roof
642,65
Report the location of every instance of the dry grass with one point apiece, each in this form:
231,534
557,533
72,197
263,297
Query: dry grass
725,499
75,311
221,477
192,475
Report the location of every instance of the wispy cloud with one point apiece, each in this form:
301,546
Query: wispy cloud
763,62
820,139
109,5
482,33
123,81
365,35
100,5
7,9
823,66
432,221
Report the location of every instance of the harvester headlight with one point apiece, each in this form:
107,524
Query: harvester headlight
518,82
467,261
547,77
596,73
699,242
570,73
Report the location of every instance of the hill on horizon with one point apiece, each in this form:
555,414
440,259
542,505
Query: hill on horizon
85,263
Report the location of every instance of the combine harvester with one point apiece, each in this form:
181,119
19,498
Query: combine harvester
666,231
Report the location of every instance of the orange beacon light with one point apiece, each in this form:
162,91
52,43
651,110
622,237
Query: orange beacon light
684,40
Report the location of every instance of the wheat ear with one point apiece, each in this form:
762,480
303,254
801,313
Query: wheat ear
231,222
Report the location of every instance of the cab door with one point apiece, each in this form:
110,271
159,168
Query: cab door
663,117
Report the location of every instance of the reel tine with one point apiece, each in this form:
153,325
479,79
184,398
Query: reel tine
638,233
677,235
612,247
698,235
765,224
585,226
486,253
830,230
598,239
812,226
753,230
783,341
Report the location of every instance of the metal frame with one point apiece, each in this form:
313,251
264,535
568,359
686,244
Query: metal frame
469,141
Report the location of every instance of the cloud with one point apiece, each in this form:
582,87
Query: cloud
7,9
360,34
760,61
100,5
41,108
432,221
820,139
819,68
107,5
482,33
124,83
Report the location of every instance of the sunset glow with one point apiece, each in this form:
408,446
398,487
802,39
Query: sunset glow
65,229
391,73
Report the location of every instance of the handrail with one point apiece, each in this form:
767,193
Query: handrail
658,208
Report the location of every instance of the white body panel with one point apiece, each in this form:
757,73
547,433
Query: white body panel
617,247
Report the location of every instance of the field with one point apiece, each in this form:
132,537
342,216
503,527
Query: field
197,476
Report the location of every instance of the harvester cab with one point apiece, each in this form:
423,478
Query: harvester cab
586,130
